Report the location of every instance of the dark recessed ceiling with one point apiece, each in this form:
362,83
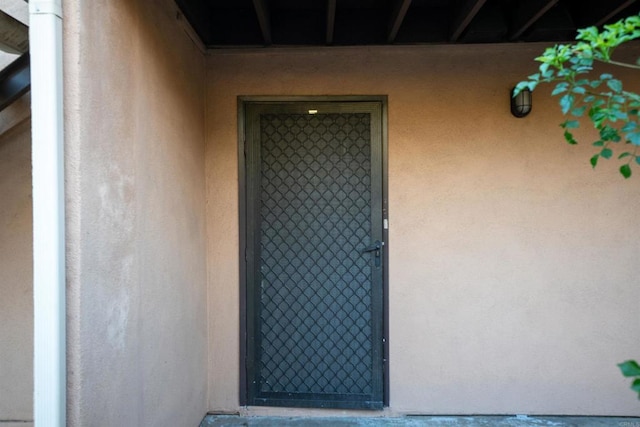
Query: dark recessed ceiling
233,23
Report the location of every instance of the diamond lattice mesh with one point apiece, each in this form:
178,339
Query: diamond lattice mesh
315,307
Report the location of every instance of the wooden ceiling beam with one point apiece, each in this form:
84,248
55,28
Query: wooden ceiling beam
397,17
15,80
468,11
14,37
331,20
528,14
264,20
604,12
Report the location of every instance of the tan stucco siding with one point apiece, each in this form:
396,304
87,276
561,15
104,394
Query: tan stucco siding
135,216
16,264
513,265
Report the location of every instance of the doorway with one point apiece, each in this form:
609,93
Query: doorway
314,237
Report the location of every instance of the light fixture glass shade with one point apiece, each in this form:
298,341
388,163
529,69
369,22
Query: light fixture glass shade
521,103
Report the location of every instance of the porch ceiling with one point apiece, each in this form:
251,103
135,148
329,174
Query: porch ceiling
15,78
240,23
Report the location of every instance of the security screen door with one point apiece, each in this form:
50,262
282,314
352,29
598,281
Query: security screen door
314,254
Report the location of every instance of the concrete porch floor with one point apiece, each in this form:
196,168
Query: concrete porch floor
420,421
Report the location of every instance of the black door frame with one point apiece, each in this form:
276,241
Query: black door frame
243,102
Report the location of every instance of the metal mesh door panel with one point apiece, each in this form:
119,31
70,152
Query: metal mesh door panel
315,308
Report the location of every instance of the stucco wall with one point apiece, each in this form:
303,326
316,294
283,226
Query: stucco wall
137,329
513,265
16,264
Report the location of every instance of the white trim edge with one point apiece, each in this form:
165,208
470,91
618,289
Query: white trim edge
45,7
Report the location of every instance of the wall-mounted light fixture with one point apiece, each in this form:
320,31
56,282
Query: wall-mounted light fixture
521,103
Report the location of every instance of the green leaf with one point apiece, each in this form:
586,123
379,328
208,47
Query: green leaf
615,115
545,72
589,33
625,170
634,138
594,162
560,87
580,90
568,136
619,99
629,127
566,102
630,368
605,76
635,385
606,153
544,68
615,85
598,118
607,133
599,143
579,112
638,160
623,155
519,87
570,124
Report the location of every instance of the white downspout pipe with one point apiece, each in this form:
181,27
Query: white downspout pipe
45,45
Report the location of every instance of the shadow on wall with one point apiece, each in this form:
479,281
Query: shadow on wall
16,269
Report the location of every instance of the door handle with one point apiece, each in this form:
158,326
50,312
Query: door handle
376,247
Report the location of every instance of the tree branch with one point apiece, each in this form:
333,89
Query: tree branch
620,64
